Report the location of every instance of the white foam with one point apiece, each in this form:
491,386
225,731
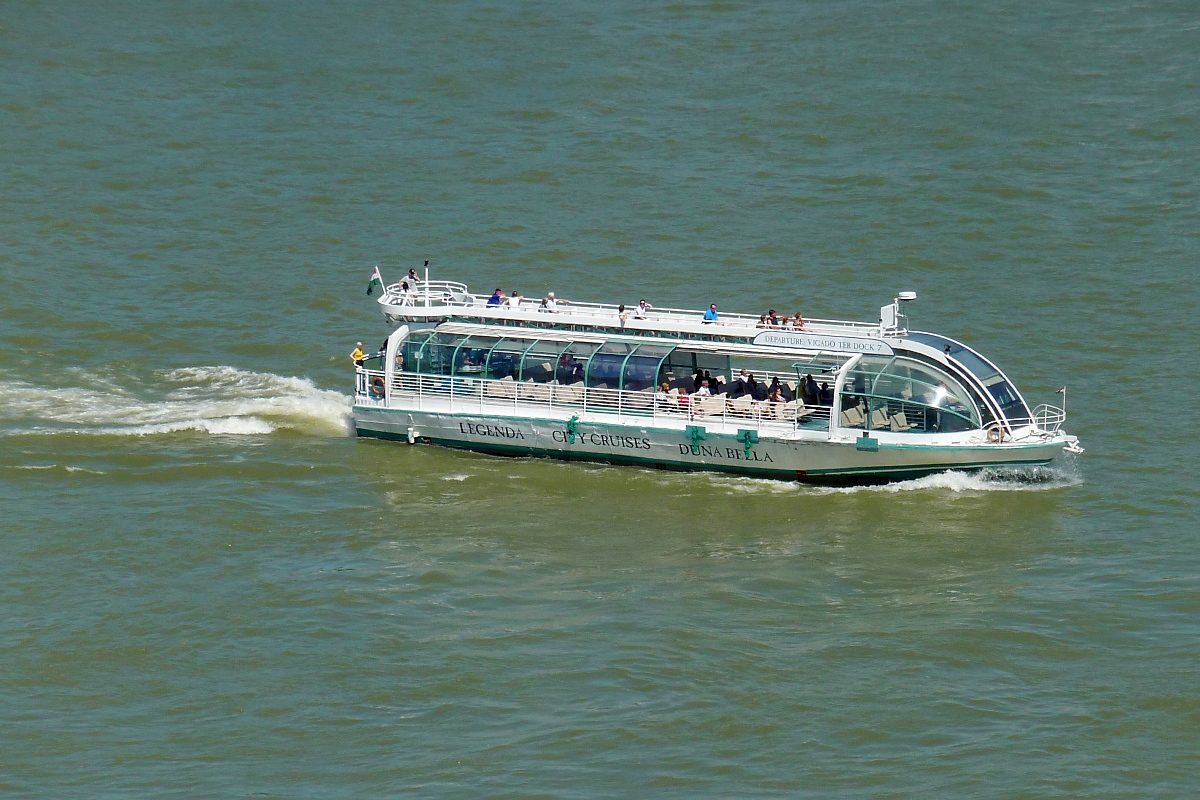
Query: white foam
455,477
991,480
217,400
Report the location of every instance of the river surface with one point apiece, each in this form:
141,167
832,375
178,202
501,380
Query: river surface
210,588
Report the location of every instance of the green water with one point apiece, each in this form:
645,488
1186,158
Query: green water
210,589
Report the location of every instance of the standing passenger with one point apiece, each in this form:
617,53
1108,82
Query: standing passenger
515,300
357,355
710,316
642,308
497,298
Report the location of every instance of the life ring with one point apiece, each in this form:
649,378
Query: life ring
377,386
995,435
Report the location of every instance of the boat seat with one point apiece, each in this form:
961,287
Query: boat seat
879,419
900,423
852,417
742,405
503,388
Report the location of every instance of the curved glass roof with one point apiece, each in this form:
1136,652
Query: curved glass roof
605,364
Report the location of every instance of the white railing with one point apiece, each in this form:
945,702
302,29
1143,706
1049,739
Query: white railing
454,295
552,399
1049,418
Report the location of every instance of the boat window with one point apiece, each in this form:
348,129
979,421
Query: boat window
504,361
472,354
1002,391
642,367
906,395
541,361
573,363
604,370
411,348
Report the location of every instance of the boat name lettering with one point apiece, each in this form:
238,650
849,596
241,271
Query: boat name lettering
730,453
605,440
487,429
808,341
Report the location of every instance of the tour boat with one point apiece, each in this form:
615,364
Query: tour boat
851,401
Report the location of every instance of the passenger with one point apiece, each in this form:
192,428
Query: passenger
497,298
551,303
762,321
712,382
382,354
809,393
825,395
697,379
710,316
406,295
412,276
545,306
798,322
704,390
622,314
515,300
776,393
785,322
772,319
775,388
357,355
742,385
757,390
683,398
663,395
642,308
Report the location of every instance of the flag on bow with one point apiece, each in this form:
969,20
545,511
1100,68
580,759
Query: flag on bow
376,282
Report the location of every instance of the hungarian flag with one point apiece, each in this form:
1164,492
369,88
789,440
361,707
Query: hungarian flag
376,282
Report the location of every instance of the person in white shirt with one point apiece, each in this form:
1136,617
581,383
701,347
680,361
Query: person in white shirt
704,390
551,303
642,308
515,300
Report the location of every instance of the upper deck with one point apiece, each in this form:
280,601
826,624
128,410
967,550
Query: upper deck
439,301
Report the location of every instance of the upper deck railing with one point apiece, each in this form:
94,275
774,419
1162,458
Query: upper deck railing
430,298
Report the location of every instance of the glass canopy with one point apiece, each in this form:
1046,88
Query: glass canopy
631,366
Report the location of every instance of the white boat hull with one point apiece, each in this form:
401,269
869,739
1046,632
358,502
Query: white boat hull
816,459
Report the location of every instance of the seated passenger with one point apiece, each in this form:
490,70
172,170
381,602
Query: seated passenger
772,319
810,395
775,387
497,297
704,390
515,300
825,394
710,316
762,321
798,322
697,379
776,394
683,398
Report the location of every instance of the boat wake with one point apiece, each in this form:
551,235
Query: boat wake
1057,476
214,400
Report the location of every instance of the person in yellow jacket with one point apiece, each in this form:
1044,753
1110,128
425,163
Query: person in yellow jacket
357,355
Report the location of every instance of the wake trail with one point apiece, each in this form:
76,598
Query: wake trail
216,400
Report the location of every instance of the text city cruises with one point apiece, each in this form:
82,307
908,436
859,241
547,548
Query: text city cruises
667,388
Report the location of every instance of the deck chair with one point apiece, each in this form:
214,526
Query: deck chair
742,405
879,419
785,411
899,423
852,417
